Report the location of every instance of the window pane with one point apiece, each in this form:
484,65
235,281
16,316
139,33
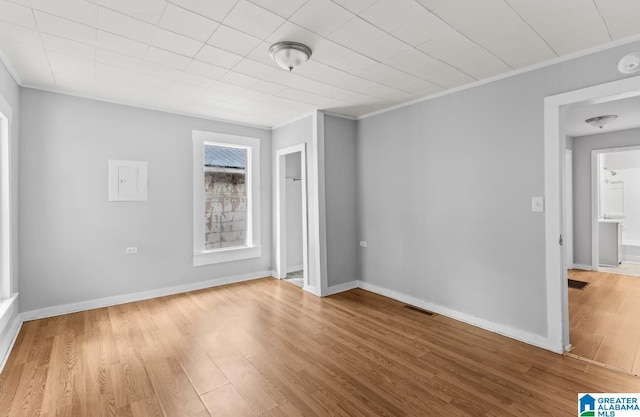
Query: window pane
225,197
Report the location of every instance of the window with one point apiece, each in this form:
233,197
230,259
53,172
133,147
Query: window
226,195
5,224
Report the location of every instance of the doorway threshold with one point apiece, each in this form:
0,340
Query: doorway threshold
601,364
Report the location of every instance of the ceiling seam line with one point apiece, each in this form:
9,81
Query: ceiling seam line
531,27
399,39
465,36
595,3
46,53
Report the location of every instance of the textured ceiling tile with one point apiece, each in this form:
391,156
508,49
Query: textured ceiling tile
123,25
69,47
284,8
16,14
79,11
120,44
253,68
72,73
187,23
252,19
461,53
422,29
321,16
291,31
267,87
355,34
170,59
621,16
54,25
146,10
118,60
19,34
384,48
30,62
356,6
206,70
395,51
233,40
216,56
241,80
216,10
392,14
173,42
487,22
430,69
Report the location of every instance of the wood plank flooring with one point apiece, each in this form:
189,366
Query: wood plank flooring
266,348
604,319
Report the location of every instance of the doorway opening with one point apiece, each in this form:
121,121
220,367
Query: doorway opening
291,216
571,310
616,208
606,181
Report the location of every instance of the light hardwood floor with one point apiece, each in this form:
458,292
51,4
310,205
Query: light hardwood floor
265,348
604,319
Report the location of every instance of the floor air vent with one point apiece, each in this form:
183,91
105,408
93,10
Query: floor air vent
419,310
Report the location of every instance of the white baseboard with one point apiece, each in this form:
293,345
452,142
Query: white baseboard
582,267
294,268
9,332
634,259
335,289
144,295
521,335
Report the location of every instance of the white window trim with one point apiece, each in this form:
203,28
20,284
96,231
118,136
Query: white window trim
5,196
201,256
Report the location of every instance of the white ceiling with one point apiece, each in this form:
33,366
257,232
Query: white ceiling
627,110
210,57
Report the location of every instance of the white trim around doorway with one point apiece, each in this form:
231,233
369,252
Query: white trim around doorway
554,161
281,227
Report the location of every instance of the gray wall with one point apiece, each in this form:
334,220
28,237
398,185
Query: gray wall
582,147
453,226
340,188
73,240
11,93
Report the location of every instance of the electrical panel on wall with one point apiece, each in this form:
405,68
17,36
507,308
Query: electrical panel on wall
127,180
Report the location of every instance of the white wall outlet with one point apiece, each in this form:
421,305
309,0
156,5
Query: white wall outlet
537,204
132,249
363,243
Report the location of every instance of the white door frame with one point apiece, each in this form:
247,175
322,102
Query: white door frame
554,161
281,211
595,201
568,213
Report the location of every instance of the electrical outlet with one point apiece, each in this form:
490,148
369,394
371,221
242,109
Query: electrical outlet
133,249
363,243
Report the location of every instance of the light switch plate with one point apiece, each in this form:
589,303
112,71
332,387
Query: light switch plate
127,180
537,204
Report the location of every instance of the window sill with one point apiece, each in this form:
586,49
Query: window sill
226,255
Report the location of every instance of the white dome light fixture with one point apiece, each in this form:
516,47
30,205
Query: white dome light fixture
601,121
629,63
290,55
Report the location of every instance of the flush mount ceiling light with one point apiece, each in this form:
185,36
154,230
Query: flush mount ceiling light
629,63
290,55
601,121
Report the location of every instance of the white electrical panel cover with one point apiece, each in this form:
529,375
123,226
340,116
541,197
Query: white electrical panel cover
127,180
